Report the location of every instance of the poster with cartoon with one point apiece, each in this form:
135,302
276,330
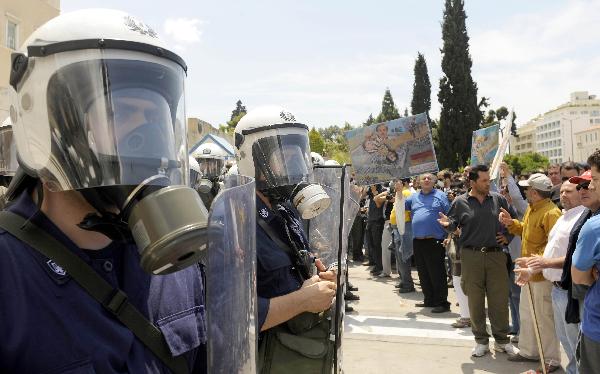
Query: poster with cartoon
390,150
484,145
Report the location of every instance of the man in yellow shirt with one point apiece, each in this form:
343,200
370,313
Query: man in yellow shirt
540,217
402,237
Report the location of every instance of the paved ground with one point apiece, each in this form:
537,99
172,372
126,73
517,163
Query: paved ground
387,333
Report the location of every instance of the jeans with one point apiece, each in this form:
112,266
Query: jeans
402,246
567,332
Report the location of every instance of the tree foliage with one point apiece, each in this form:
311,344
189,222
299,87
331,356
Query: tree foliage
236,116
370,121
388,108
421,96
317,144
526,163
460,113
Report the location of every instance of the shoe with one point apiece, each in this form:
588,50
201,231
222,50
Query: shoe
441,309
406,290
507,348
383,275
368,263
514,339
375,270
423,305
352,288
348,308
375,273
350,296
549,368
520,358
480,350
461,323
399,285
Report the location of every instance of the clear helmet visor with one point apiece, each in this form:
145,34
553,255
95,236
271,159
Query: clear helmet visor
8,152
282,160
116,122
211,167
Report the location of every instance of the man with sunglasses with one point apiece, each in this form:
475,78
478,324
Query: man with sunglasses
584,271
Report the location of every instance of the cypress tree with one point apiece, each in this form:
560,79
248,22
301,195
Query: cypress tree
460,114
421,98
388,108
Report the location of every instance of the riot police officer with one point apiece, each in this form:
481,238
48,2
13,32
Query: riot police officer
211,159
8,158
273,147
98,260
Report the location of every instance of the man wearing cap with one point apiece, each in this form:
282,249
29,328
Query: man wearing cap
551,265
539,219
586,260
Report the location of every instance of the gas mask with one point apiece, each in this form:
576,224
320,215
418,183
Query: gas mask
278,155
110,124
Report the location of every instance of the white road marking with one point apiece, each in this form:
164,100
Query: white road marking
435,328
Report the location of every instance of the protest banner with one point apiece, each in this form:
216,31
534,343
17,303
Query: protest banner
392,150
484,145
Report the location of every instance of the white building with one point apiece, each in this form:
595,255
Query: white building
587,142
526,141
556,129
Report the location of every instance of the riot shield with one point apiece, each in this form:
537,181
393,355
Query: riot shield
328,238
230,279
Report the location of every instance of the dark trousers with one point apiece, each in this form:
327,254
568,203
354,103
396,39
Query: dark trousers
431,267
374,233
357,233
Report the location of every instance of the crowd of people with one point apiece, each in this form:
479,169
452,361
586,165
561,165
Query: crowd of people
509,247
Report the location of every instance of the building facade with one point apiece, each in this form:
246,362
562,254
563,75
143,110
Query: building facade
556,129
587,142
18,19
526,141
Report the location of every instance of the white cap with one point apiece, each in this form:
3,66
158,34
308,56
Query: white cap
537,181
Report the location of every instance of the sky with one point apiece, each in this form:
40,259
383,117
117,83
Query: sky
329,62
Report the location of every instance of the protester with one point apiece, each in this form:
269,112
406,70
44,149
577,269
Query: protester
484,270
375,223
539,219
551,265
515,200
428,236
403,242
555,177
584,270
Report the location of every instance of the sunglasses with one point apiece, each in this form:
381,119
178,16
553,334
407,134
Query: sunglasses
583,186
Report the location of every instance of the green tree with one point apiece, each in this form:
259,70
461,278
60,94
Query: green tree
388,108
317,144
460,113
421,97
370,121
236,116
527,162
405,112
239,109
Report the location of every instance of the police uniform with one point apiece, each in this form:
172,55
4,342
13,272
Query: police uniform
50,324
275,273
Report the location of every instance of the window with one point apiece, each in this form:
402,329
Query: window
584,112
560,152
572,113
591,121
595,113
11,34
597,120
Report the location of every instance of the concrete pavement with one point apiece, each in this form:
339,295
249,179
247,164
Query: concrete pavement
387,333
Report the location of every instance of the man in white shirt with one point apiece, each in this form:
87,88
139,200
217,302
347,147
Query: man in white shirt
551,264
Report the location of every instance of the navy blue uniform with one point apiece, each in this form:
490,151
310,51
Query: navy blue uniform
275,274
49,324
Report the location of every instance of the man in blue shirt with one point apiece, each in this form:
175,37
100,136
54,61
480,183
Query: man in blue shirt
425,207
584,271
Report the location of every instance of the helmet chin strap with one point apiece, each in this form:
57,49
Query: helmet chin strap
103,221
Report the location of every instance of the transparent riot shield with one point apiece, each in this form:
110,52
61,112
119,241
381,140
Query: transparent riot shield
230,279
328,237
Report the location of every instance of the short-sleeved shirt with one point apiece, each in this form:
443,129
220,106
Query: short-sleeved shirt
50,324
586,256
275,273
424,212
375,213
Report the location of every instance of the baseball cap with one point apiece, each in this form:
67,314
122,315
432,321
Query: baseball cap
537,181
585,177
